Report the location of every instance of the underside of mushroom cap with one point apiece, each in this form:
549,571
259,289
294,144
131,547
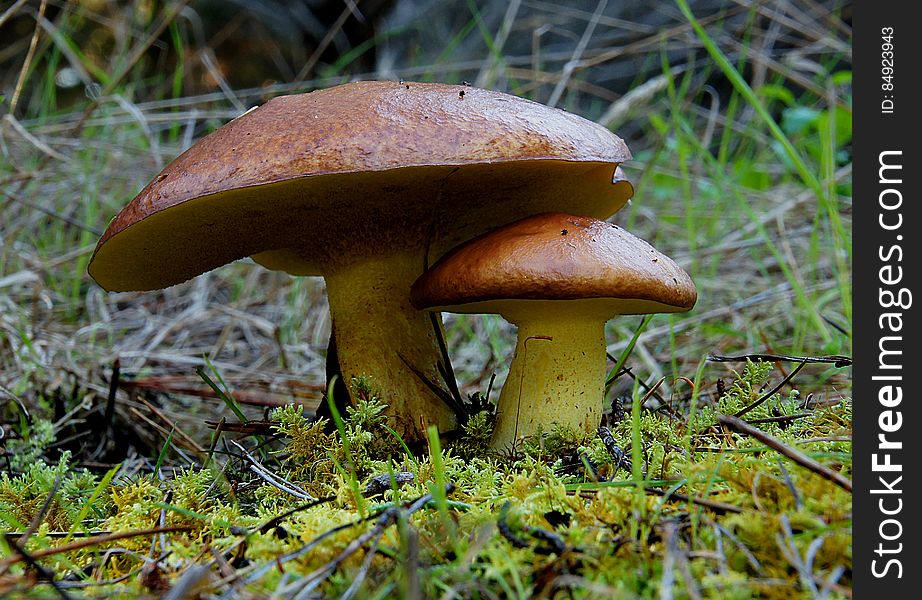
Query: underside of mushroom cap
283,175
555,257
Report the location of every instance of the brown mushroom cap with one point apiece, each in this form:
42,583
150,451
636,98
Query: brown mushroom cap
395,164
555,256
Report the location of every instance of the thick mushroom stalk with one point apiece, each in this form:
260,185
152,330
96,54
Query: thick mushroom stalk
557,375
559,278
380,335
364,184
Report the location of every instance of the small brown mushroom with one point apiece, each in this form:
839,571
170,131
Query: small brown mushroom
559,278
363,183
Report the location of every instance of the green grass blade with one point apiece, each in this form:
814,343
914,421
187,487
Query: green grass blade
739,83
626,352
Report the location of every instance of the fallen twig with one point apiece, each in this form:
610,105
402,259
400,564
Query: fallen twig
718,507
273,479
325,571
92,541
614,450
780,418
305,585
771,392
551,543
836,359
797,456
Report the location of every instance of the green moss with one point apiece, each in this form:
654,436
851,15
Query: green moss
522,525
476,434
22,497
34,438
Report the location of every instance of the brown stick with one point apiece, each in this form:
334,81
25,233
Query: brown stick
773,391
99,539
797,456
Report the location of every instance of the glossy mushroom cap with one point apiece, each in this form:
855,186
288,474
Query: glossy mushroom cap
555,257
559,278
306,179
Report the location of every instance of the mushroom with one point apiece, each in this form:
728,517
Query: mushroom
559,278
364,183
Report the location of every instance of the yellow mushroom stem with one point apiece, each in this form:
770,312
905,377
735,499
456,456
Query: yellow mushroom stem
379,334
558,373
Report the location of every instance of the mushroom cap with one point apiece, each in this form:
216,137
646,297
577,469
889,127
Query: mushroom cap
555,257
287,180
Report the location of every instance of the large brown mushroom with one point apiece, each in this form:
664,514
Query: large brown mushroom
559,278
364,184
